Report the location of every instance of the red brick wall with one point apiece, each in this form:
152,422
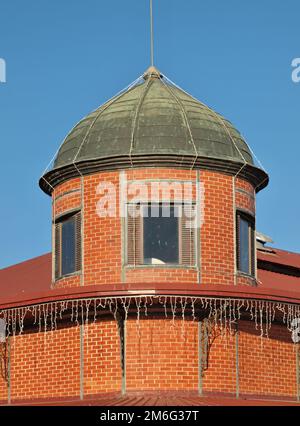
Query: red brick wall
161,355
102,366
45,367
50,367
217,232
70,281
3,383
245,196
178,275
220,376
102,235
66,196
268,369
153,358
102,247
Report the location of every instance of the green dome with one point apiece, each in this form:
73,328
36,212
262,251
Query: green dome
153,120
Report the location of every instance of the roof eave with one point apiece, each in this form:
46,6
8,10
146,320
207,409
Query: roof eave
258,177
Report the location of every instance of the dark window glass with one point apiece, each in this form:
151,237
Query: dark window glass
244,255
160,235
245,244
68,246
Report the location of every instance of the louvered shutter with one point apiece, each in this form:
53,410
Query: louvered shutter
139,239
135,240
78,242
187,240
57,250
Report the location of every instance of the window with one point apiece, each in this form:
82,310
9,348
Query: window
68,245
159,234
245,243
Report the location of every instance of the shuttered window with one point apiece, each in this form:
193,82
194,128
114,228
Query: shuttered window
187,238
159,234
67,245
245,231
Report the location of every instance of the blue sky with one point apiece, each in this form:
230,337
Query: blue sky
64,58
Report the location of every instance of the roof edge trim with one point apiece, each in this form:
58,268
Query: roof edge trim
258,177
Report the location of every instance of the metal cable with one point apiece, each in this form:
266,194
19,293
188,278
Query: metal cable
135,120
185,119
227,130
57,151
109,103
220,119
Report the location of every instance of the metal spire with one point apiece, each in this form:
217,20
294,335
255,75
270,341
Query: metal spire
151,33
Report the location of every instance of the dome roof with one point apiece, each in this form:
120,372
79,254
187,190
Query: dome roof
152,120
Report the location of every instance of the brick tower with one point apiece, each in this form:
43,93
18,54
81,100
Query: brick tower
156,286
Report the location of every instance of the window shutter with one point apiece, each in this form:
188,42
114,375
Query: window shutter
130,237
135,239
57,250
187,236
78,242
139,238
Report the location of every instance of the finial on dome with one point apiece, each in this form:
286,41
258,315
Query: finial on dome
152,73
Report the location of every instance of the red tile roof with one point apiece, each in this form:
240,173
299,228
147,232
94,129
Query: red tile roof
31,280
168,399
26,277
273,280
280,257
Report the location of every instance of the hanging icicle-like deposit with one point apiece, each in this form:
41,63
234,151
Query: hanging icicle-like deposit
220,311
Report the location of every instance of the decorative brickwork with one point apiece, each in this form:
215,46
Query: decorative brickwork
155,353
